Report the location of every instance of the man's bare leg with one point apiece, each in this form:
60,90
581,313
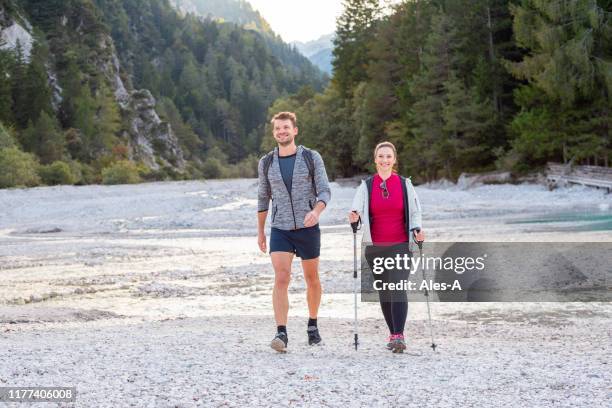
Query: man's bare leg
313,286
313,296
281,262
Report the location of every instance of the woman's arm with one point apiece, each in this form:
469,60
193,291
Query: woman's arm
358,202
416,211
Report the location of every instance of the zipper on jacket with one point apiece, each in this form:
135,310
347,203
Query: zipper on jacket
292,210
289,192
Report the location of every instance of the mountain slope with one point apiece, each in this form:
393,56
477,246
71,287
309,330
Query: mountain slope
108,81
236,11
241,12
318,51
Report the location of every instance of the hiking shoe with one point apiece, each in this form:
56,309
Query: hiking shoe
390,341
279,342
313,335
399,345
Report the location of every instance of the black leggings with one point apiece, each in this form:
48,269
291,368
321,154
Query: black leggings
394,304
395,315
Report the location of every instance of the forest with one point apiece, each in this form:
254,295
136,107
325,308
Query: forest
457,85
465,86
212,82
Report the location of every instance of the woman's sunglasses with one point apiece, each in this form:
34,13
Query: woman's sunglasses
385,192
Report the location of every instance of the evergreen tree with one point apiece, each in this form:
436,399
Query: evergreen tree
50,141
190,143
6,99
429,91
107,120
6,138
468,123
19,89
569,71
44,138
354,29
83,121
38,93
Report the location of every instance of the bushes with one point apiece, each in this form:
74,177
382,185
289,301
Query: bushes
121,172
17,169
216,167
212,168
58,172
6,138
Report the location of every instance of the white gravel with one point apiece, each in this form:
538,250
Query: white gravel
156,295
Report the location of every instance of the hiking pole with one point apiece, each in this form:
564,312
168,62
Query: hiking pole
433,344
355,227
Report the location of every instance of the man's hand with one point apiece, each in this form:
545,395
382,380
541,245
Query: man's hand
311,219
261,241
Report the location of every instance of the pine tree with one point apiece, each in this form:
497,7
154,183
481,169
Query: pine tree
354,29
84,122
428,89
569,74
6,137
38,93
21,112
6,99
107,120
468,123
50,140
44,138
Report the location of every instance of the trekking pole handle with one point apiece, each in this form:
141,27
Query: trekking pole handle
355,225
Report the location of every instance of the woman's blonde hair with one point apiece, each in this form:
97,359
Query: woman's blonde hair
392,147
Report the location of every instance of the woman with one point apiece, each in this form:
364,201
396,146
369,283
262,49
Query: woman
390,213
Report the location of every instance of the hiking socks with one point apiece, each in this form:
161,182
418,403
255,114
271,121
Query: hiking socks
281,329
312,322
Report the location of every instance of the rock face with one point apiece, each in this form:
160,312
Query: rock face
108,62
151,140
11,33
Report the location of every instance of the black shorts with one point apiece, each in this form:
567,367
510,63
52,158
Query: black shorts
304,242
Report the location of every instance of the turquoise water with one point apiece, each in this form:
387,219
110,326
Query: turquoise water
583,221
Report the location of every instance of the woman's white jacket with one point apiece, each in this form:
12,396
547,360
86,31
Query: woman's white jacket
361,204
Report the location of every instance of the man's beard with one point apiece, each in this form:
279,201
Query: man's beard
286,143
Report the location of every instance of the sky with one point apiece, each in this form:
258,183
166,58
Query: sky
301,20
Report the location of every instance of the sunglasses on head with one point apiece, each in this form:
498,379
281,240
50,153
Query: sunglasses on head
385,191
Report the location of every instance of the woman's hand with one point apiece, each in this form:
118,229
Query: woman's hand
419,235
353,216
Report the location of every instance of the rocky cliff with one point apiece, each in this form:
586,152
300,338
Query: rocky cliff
149,139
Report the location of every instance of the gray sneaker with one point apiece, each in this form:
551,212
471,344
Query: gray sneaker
279,342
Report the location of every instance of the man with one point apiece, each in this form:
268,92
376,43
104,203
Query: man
294,178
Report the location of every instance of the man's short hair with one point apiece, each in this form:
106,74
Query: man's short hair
284,116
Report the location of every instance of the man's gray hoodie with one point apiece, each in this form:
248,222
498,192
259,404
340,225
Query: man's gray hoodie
290,207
